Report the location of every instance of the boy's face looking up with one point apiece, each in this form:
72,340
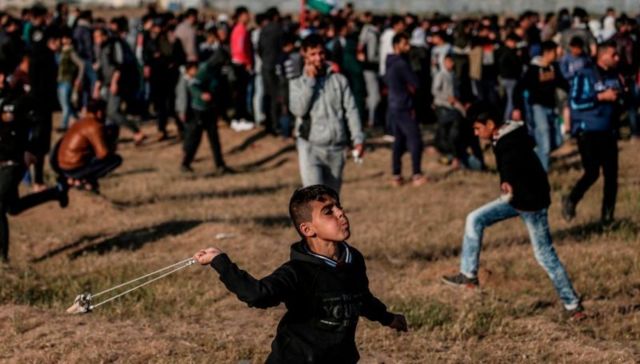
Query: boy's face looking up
328,221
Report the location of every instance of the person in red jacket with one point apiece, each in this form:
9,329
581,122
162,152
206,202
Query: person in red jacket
242,59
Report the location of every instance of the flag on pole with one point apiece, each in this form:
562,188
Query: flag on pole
322,6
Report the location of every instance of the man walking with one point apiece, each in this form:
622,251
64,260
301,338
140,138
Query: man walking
594,96
326,114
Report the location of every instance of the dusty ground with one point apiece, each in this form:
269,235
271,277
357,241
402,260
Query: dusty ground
151,215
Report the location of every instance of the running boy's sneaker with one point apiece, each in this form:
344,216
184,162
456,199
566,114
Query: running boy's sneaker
577,314
460,280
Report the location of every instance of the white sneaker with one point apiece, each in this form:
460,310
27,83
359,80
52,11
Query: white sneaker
389,138
245,125
235,125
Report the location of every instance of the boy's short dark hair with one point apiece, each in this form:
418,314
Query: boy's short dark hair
604,46
191,64
399,37
299,204
96,105
312,41
239,11
576,42
548,46
513,37
481,113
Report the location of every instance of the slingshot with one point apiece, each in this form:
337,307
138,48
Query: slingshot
84,302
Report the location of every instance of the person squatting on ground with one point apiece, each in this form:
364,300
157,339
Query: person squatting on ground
402,83
526,193
87,152
326,114
594,99
324,285
16,155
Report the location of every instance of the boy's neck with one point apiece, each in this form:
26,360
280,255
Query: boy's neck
325,248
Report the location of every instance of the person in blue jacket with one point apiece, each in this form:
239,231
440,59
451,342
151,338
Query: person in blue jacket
594,101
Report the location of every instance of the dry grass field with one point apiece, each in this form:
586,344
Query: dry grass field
150,215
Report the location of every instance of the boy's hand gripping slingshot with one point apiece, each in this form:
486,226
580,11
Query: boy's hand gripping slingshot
84,302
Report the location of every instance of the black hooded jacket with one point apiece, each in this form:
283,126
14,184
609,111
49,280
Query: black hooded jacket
324,300
520,167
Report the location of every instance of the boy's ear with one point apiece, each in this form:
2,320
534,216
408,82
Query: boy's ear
307,229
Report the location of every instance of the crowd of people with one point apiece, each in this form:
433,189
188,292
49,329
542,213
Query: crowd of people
525,84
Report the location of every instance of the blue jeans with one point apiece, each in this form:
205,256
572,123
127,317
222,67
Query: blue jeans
509,86
64,97
538,225
546,133
320,164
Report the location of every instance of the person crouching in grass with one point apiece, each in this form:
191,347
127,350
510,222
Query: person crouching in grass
324,285
525,193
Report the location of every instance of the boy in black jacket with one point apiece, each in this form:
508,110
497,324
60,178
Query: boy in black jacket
324,286
525,193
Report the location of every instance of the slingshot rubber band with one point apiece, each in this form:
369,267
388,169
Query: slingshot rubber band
83,302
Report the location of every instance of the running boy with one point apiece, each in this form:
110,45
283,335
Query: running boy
525,189
324,286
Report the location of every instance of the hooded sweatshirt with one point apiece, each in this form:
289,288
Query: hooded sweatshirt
324,300
402,83
519,166
328,102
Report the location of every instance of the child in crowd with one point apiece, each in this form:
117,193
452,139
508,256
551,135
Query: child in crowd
324,285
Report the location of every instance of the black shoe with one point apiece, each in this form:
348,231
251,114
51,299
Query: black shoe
220,171
460,280
185,168
607,217
63,195
568,209
577,314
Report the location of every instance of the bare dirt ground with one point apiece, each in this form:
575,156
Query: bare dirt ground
150,215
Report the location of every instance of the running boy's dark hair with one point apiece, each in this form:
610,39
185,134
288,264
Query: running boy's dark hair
480,113
299,204
399,37
312,41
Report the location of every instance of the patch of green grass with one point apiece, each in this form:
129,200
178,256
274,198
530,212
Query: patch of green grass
425,314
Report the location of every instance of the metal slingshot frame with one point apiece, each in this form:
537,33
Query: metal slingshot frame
84,302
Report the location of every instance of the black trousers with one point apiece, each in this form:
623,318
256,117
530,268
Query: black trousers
11,203
42,139
193,129
407,137
240,92
95,169
598,150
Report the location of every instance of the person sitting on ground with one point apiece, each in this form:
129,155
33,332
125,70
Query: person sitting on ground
16,155
85,154
525,189
324,286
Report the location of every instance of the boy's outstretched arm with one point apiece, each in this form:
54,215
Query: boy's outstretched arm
266,292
